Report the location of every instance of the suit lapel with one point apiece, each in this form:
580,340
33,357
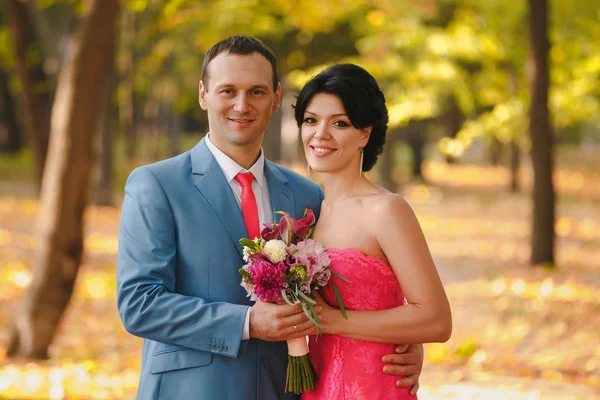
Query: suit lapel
282,198
211,182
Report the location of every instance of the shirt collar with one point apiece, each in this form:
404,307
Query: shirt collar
230,168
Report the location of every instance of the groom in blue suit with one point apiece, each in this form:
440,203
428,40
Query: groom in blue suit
178,284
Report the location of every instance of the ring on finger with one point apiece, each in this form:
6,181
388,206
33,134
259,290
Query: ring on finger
295,328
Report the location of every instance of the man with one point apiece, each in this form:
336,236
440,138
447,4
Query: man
178,284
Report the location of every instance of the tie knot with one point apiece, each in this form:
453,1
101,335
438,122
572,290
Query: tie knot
244,179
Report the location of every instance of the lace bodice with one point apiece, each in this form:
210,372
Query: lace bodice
350,369
373,285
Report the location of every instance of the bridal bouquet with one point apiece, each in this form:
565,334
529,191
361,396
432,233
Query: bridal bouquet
285,264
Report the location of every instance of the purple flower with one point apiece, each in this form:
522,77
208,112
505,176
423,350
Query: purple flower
267,279
270,232
289,229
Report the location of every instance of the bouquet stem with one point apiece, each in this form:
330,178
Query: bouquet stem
301,374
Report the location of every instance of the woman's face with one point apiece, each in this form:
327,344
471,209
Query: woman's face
331,142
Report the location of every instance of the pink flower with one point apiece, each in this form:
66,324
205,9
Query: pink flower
268,280
323,277
313,255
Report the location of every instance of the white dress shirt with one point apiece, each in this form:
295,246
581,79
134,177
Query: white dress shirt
259,186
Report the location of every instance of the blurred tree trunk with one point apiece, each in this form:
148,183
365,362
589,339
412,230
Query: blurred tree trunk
126,96
416,137
50,34
103,187
388,162
453,120
272,140
35,109
65,185
515,150
542,250
495,151
10,133
515,163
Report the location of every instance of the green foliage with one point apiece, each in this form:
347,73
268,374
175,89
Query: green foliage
422,53
17,167
137,5
7,57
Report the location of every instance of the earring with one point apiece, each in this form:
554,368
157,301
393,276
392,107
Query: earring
307,169
362,158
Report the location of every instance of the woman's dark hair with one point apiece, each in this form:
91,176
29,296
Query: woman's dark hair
363,102
240,45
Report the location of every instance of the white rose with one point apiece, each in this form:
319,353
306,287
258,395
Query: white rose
275,249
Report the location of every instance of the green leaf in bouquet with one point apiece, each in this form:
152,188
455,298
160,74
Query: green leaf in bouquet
307,298
251,244
245,275
314,312
338,296
310,232
341,276
300,270
305,308
247,242
285,298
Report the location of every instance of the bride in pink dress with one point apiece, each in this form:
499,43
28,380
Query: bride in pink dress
373,239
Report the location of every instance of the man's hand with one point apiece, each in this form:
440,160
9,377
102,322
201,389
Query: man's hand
279,322
407,362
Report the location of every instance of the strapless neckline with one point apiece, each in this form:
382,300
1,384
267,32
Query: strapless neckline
356,252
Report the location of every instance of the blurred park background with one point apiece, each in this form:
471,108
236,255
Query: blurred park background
494,140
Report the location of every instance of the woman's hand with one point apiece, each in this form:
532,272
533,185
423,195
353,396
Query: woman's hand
330,317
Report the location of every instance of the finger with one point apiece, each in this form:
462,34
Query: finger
414,389
399,370
408,381
285,310
300,318
402,348
402,359
310,331
300,332
317,297
307,326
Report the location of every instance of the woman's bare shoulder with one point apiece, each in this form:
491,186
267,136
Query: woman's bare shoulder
386,205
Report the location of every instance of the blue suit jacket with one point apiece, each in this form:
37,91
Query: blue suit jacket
178,284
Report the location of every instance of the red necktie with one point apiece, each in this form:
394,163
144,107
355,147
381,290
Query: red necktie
249,207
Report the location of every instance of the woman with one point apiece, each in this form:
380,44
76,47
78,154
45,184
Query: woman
373,239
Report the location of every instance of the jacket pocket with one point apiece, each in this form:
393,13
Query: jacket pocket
175,358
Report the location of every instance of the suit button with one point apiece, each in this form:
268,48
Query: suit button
224,348
211,346
219,347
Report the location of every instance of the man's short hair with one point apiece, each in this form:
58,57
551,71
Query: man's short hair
240,45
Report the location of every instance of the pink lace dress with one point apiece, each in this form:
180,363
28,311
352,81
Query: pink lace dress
350,369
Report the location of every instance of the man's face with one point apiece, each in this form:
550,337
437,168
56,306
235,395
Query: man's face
239,100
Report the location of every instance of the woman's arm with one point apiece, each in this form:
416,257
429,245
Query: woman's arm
427,317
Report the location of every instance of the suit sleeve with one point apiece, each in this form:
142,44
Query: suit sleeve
146,276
